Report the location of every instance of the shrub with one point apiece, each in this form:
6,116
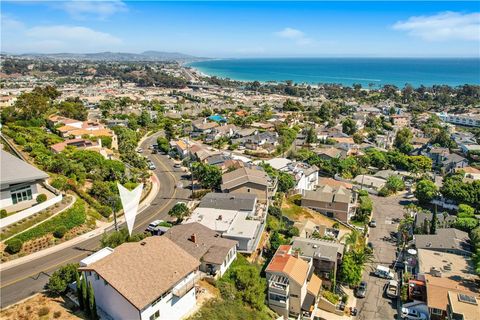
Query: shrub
41,198
331,297
43,311
13,246
70,218
3,213
60,232
60,183
20,140
60,279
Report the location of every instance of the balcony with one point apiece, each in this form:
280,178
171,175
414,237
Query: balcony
184,286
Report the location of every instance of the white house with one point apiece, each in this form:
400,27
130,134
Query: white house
147,280
19,181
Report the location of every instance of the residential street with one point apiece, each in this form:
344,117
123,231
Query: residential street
376,306
22,281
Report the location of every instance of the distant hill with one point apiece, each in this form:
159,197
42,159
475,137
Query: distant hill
114,56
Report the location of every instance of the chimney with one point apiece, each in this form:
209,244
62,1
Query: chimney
193,238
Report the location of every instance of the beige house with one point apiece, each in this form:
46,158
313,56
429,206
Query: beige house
339,202
246,180
293,289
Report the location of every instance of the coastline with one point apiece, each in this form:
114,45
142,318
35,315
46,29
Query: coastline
369,72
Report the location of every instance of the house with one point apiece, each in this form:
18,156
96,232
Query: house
423,219
203,126
446,265
246,180
330,153
338,203
449,240
400,120
215,253
293,288
371,182
181,147
468,148
307,228
438,289
326,256
245,132
238,217
470,120
463,306
20,182
78,143
453,161
469,173
306,176
217,159
263,140
151,279
225,131
322,181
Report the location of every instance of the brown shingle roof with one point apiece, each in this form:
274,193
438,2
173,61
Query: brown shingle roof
243,175
437,290
209,246
143,271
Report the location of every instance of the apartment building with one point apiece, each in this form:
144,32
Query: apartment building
339,203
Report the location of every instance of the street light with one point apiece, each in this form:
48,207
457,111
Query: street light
112,202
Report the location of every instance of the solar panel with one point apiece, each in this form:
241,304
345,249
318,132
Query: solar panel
467,299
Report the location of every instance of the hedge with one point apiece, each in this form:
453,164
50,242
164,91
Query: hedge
70,218
13,246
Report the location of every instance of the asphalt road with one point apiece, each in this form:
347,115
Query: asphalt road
20,282
376,305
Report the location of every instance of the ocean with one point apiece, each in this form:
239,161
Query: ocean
369,72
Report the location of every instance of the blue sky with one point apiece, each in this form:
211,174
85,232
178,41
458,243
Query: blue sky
245,29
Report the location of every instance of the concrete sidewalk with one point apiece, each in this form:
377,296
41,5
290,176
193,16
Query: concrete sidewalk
75,241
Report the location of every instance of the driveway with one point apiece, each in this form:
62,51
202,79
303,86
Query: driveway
376,305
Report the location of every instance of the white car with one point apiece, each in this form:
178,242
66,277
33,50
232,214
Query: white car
139,150
153,224
412,314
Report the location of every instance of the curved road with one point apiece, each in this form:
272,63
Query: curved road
20,282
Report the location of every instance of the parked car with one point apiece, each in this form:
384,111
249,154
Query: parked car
384,272
373,223
409,196
411,314
177,165
153,224
392,289
361,290
139,150
151,166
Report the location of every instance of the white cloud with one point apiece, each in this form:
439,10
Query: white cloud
294,34
443,26
10,24
80,9
59,38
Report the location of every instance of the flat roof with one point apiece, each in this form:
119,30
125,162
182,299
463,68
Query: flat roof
243,228
449,264
229,201
215,219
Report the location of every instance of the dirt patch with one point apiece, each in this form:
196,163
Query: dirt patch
41,307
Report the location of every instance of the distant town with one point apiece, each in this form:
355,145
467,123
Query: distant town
270,200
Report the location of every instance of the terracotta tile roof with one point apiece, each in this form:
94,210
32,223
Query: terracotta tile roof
293,267
143,271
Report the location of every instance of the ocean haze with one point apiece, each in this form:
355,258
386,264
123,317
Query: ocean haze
375,72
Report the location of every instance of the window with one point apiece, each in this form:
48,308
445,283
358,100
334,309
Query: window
20,194
105,283
97,277
156,315
437,311
294,295
248,189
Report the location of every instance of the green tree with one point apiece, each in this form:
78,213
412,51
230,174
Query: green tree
465,211
466,224
179,211
285,182
92,305
60,279
163,144
426,191
349,126
403,140
311,135
73,108
79,290
116,238
395,184
350,271
434,222
209,176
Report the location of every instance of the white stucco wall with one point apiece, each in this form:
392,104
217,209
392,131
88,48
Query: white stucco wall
112,302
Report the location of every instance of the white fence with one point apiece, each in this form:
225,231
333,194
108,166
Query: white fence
30,211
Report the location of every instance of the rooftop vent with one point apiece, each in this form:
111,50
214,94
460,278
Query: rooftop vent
143,243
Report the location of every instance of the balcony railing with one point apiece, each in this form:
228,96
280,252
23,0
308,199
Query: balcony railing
180,291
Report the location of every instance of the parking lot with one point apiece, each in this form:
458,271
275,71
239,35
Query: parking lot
376,305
